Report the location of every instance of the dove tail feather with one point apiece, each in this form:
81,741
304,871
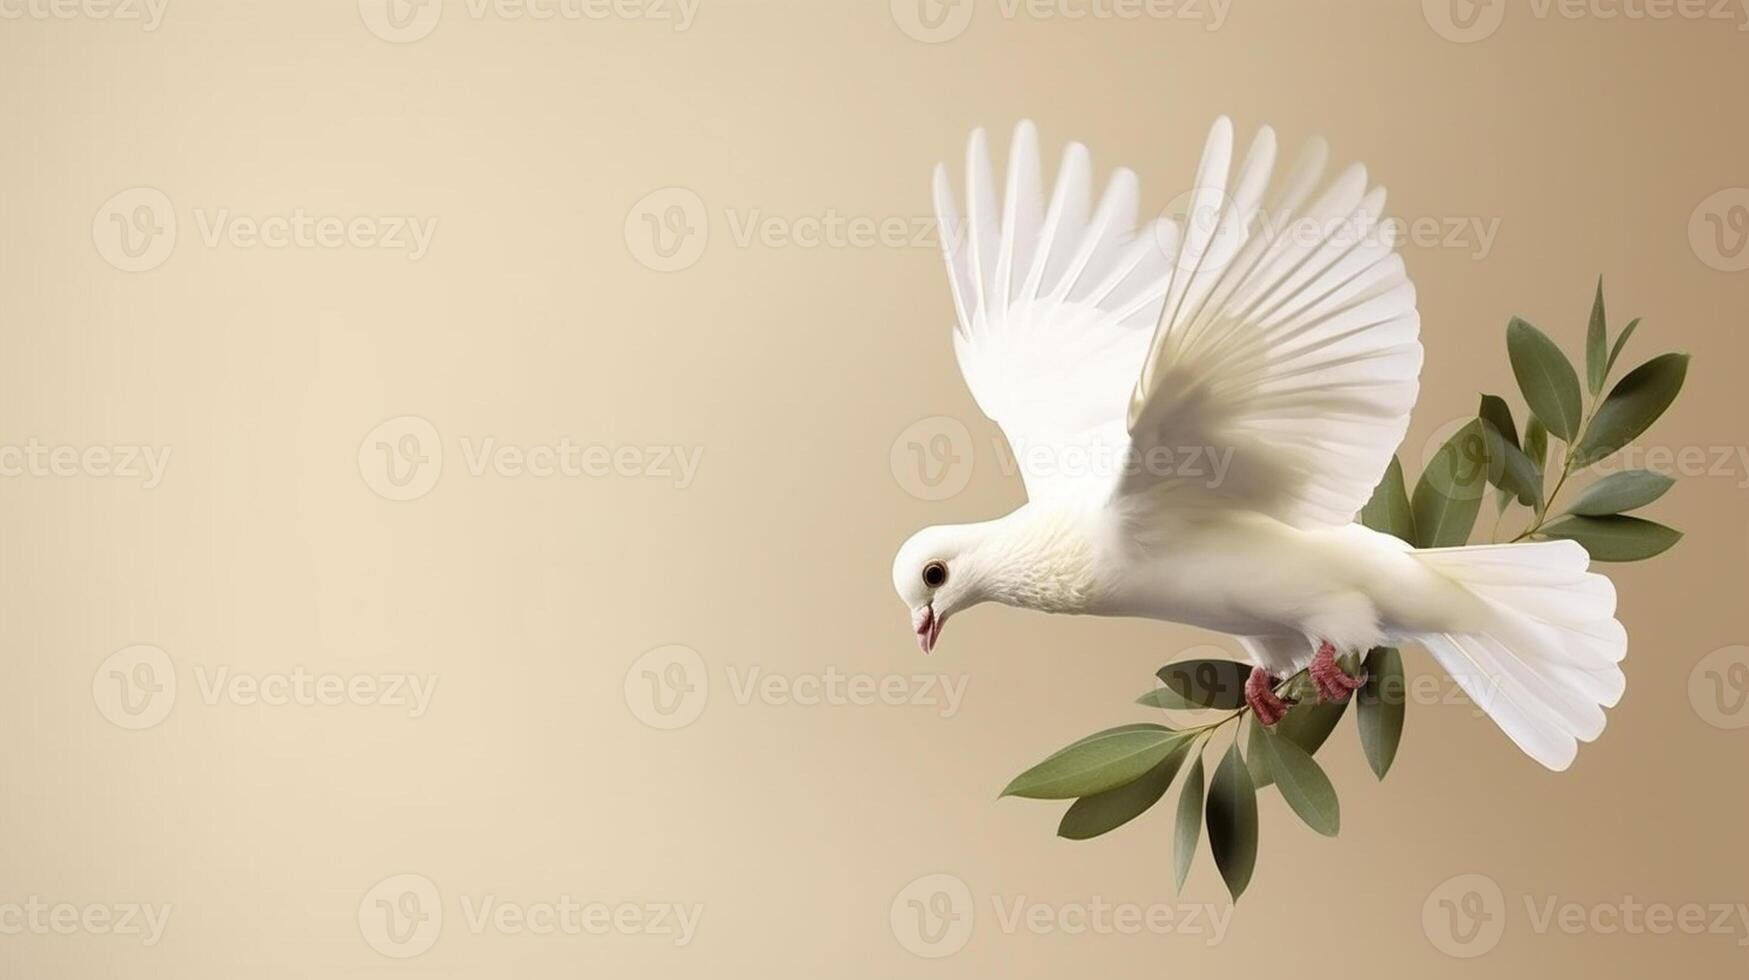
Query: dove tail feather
1540,651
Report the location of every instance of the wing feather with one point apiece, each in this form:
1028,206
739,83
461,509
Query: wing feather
1282,330
1065,221
1055,302
1301,362
1020,213
981,229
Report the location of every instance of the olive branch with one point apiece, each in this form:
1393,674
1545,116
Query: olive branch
1118,774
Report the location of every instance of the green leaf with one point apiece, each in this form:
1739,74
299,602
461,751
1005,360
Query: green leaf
1307,724
1616,538
1207,683
1620,342
1449,493
1619,492
1536,444
1303,785
1189,829
1107,760
1550,387
1596,344
1495,410
1093,815
1509,468
1232,822
1254,755
1633,405
1380,708
1165,697
1536,449
1388,510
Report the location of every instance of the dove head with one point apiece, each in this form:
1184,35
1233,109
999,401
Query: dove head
1034,557
940,571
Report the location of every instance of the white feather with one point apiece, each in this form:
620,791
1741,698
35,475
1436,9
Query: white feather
1543,655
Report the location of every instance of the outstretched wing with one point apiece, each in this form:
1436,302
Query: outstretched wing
1280,338
1288,343
1056,303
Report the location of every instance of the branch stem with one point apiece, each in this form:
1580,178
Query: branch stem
1214,726
1541,516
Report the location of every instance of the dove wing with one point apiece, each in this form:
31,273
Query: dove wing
1055,306
1288,341
1280,335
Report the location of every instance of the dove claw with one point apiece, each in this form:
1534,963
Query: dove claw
1260,696
1332,683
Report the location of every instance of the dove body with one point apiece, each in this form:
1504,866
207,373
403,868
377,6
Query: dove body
1229,571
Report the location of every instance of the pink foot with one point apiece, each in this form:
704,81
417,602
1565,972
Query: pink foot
1260,696
1328,677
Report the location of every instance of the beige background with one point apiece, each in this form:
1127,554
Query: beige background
534,316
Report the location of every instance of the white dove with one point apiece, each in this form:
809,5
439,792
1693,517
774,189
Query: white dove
1281,337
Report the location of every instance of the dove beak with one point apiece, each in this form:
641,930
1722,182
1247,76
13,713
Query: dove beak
927,626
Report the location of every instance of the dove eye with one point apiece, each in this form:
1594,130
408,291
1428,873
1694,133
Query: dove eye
935,574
